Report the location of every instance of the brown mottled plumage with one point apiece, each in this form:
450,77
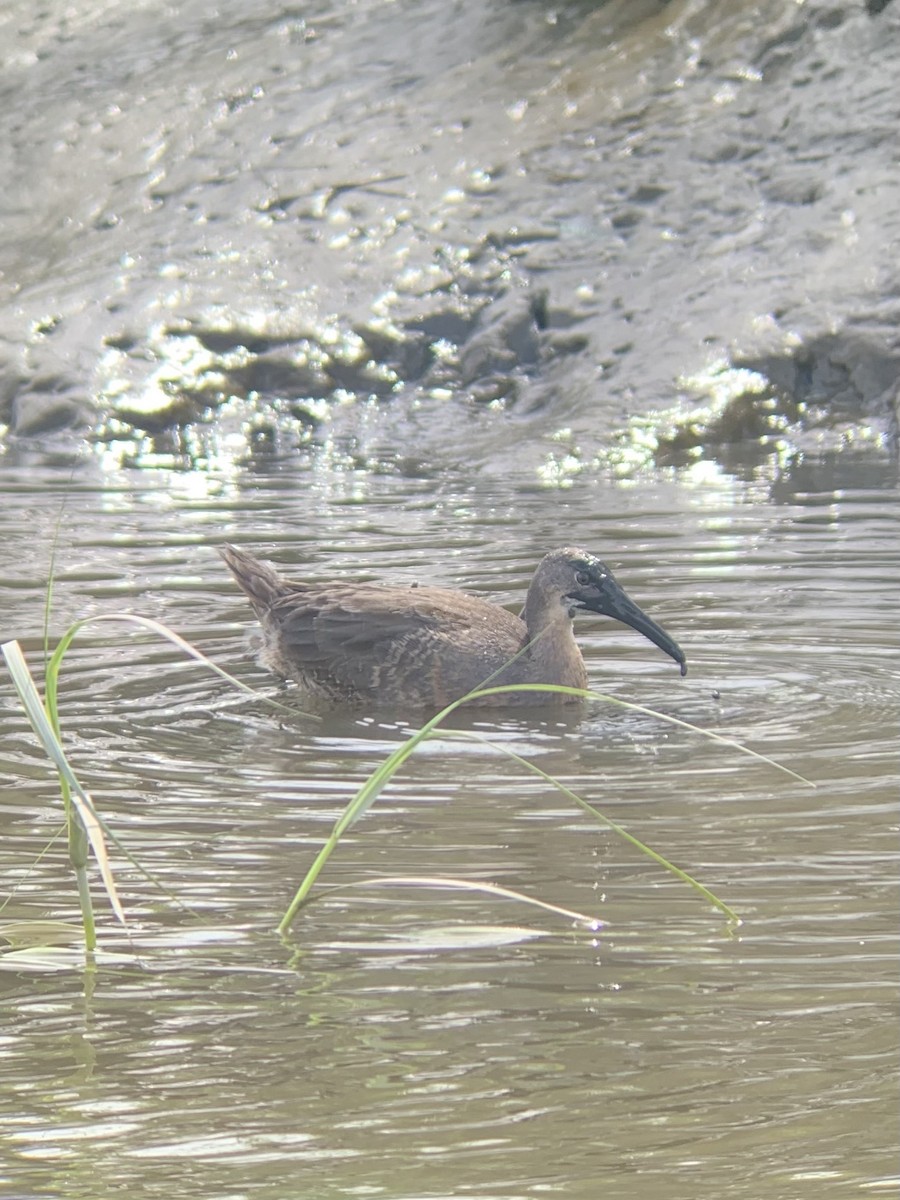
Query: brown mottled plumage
421,647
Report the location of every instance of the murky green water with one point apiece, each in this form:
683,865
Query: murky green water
414,1042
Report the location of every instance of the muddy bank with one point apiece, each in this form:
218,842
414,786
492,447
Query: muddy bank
649,231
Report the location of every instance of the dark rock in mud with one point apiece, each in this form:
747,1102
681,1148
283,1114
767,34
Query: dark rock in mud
35,413
562,216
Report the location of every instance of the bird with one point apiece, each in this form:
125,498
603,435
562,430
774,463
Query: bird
422,647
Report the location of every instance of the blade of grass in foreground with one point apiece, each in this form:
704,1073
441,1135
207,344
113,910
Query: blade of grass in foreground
55,663
463,885
84,825
704,891
81,815
381,776
650,712
361,802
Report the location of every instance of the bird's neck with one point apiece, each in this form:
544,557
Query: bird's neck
553,656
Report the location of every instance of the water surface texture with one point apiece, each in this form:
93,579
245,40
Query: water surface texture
418,292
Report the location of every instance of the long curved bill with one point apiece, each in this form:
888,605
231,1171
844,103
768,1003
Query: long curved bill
611,600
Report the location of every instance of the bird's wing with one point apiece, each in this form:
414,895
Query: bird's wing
372,638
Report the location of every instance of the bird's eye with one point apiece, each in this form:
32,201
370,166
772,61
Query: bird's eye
583,579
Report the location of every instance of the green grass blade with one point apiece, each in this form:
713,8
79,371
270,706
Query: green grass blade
34,706
44,718
641,708
365,797
368,793
169,635
613,825
49,739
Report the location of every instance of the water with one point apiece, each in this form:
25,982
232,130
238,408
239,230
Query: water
556,233
422,1041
